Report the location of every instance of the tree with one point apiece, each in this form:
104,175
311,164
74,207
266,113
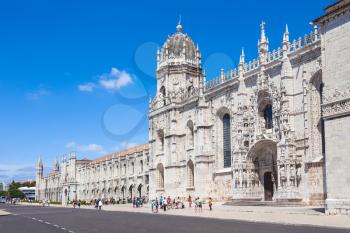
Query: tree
15,193
14,185
3,193
28,183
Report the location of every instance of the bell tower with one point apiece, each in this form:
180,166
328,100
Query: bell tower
179,68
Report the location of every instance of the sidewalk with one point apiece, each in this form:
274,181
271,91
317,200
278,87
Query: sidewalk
281,215
3,213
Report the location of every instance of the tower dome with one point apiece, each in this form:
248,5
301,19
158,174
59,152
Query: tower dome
178,49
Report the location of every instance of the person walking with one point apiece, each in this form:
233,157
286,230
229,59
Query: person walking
153,205
96,203
164,204
200,205
168,201
210,202
196,204
161,201
134,202
189,199
79,203
100,205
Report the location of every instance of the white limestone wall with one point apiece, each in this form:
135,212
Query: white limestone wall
336,54
336,111
337,165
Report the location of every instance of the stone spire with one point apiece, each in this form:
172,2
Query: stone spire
262,33
202,81
286,69
201,84
73,155
242,57
286,87
55,166
39,168
242,86
198,55
241,64
263,43
286,34
40,163
263,49
179,25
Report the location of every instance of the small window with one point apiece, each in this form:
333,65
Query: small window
246,143
268,116
227,139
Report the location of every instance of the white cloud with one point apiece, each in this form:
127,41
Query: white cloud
115,79
88,87
71,144
37,94
90,147
112,81
85,148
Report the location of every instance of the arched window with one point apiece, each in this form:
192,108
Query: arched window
160,176
131,189
123,192
190,134
141,166
163,93
189,90
124,168
190,174
268,116
139,189
161,140
132,168
226,120
162,90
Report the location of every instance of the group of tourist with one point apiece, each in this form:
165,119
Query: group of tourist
76,203
97,203
138,202
166,203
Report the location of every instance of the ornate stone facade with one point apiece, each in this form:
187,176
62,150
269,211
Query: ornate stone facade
255,133
249,134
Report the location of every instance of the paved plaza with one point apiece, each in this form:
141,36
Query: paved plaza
124,218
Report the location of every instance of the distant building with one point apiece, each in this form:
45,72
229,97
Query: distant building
121,176
4,186
29,192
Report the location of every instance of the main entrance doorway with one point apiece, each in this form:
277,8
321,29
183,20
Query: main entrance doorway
268,186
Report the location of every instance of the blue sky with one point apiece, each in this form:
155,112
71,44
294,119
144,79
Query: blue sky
77,75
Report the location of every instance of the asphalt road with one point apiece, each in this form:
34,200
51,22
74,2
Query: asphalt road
36,219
